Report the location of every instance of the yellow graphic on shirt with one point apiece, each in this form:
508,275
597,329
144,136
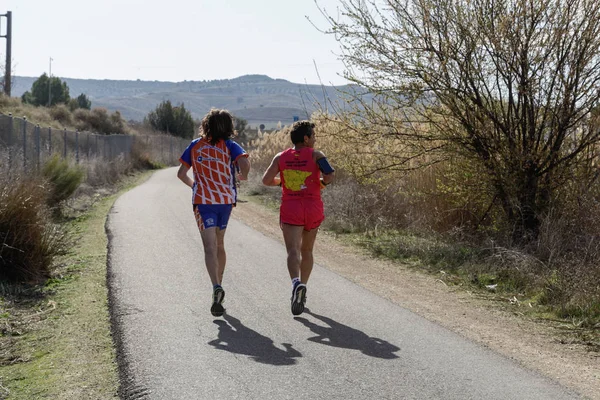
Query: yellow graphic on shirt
294,179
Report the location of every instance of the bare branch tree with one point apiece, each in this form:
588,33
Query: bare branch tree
513,84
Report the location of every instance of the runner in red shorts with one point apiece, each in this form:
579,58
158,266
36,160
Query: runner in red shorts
302,171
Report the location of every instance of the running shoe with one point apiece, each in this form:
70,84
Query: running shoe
217,308
298,298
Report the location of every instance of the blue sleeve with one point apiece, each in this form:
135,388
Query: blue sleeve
186,157
235,150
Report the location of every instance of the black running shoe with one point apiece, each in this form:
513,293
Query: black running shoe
217,308
298,298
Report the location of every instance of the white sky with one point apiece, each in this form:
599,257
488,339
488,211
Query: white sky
172,40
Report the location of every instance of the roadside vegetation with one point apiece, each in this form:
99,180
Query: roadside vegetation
55,339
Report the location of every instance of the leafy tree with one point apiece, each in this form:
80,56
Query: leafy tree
84,102
511,85
39,96
176,121
3,89
240,125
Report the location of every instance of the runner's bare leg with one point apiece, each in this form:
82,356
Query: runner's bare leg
306,264
211,258
292,236
221,256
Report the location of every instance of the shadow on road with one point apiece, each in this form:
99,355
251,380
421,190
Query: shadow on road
340,335
236,338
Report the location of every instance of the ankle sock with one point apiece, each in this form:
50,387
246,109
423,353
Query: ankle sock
295,281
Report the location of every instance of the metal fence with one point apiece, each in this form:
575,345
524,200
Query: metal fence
28,145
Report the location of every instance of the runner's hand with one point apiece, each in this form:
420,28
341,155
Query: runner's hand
323,184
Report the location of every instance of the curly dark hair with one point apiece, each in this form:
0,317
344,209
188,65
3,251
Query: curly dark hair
217,124
301,129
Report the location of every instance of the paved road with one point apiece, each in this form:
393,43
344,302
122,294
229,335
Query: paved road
351,344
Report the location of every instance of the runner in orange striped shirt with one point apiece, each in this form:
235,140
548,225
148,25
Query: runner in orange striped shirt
213,158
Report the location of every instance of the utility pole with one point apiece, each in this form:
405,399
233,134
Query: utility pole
50,84
8,36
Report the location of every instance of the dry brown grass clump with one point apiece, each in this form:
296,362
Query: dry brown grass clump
29,241
102,173
100,121
62,114
8,103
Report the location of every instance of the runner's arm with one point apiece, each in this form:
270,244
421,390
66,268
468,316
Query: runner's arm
244,165
270,176
183,176
327,178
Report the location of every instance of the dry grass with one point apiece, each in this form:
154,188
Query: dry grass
61,117
62,114
29,240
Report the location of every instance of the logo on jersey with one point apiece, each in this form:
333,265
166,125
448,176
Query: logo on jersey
206,159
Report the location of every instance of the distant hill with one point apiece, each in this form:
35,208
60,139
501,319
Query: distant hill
257,98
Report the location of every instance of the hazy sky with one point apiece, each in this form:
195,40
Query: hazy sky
172,40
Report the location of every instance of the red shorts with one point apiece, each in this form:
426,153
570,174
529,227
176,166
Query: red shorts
302,212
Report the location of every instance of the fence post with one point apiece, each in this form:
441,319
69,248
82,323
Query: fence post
10,132
171,151
50,141
37,133
77,147
24,143
87,145
65,143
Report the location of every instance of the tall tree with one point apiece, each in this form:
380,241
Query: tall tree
47,91
510,84
176,121
240,125
84,102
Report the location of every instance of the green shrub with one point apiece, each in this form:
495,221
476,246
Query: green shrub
64,179
29,241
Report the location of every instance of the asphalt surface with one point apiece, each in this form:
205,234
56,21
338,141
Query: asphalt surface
350,344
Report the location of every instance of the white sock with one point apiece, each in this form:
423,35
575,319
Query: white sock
295,281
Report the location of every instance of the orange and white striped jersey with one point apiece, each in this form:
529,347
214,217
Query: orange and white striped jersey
213,170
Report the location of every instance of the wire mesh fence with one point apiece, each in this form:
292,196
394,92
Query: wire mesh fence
28,146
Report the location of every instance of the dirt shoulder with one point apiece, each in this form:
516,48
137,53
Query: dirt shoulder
501,327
